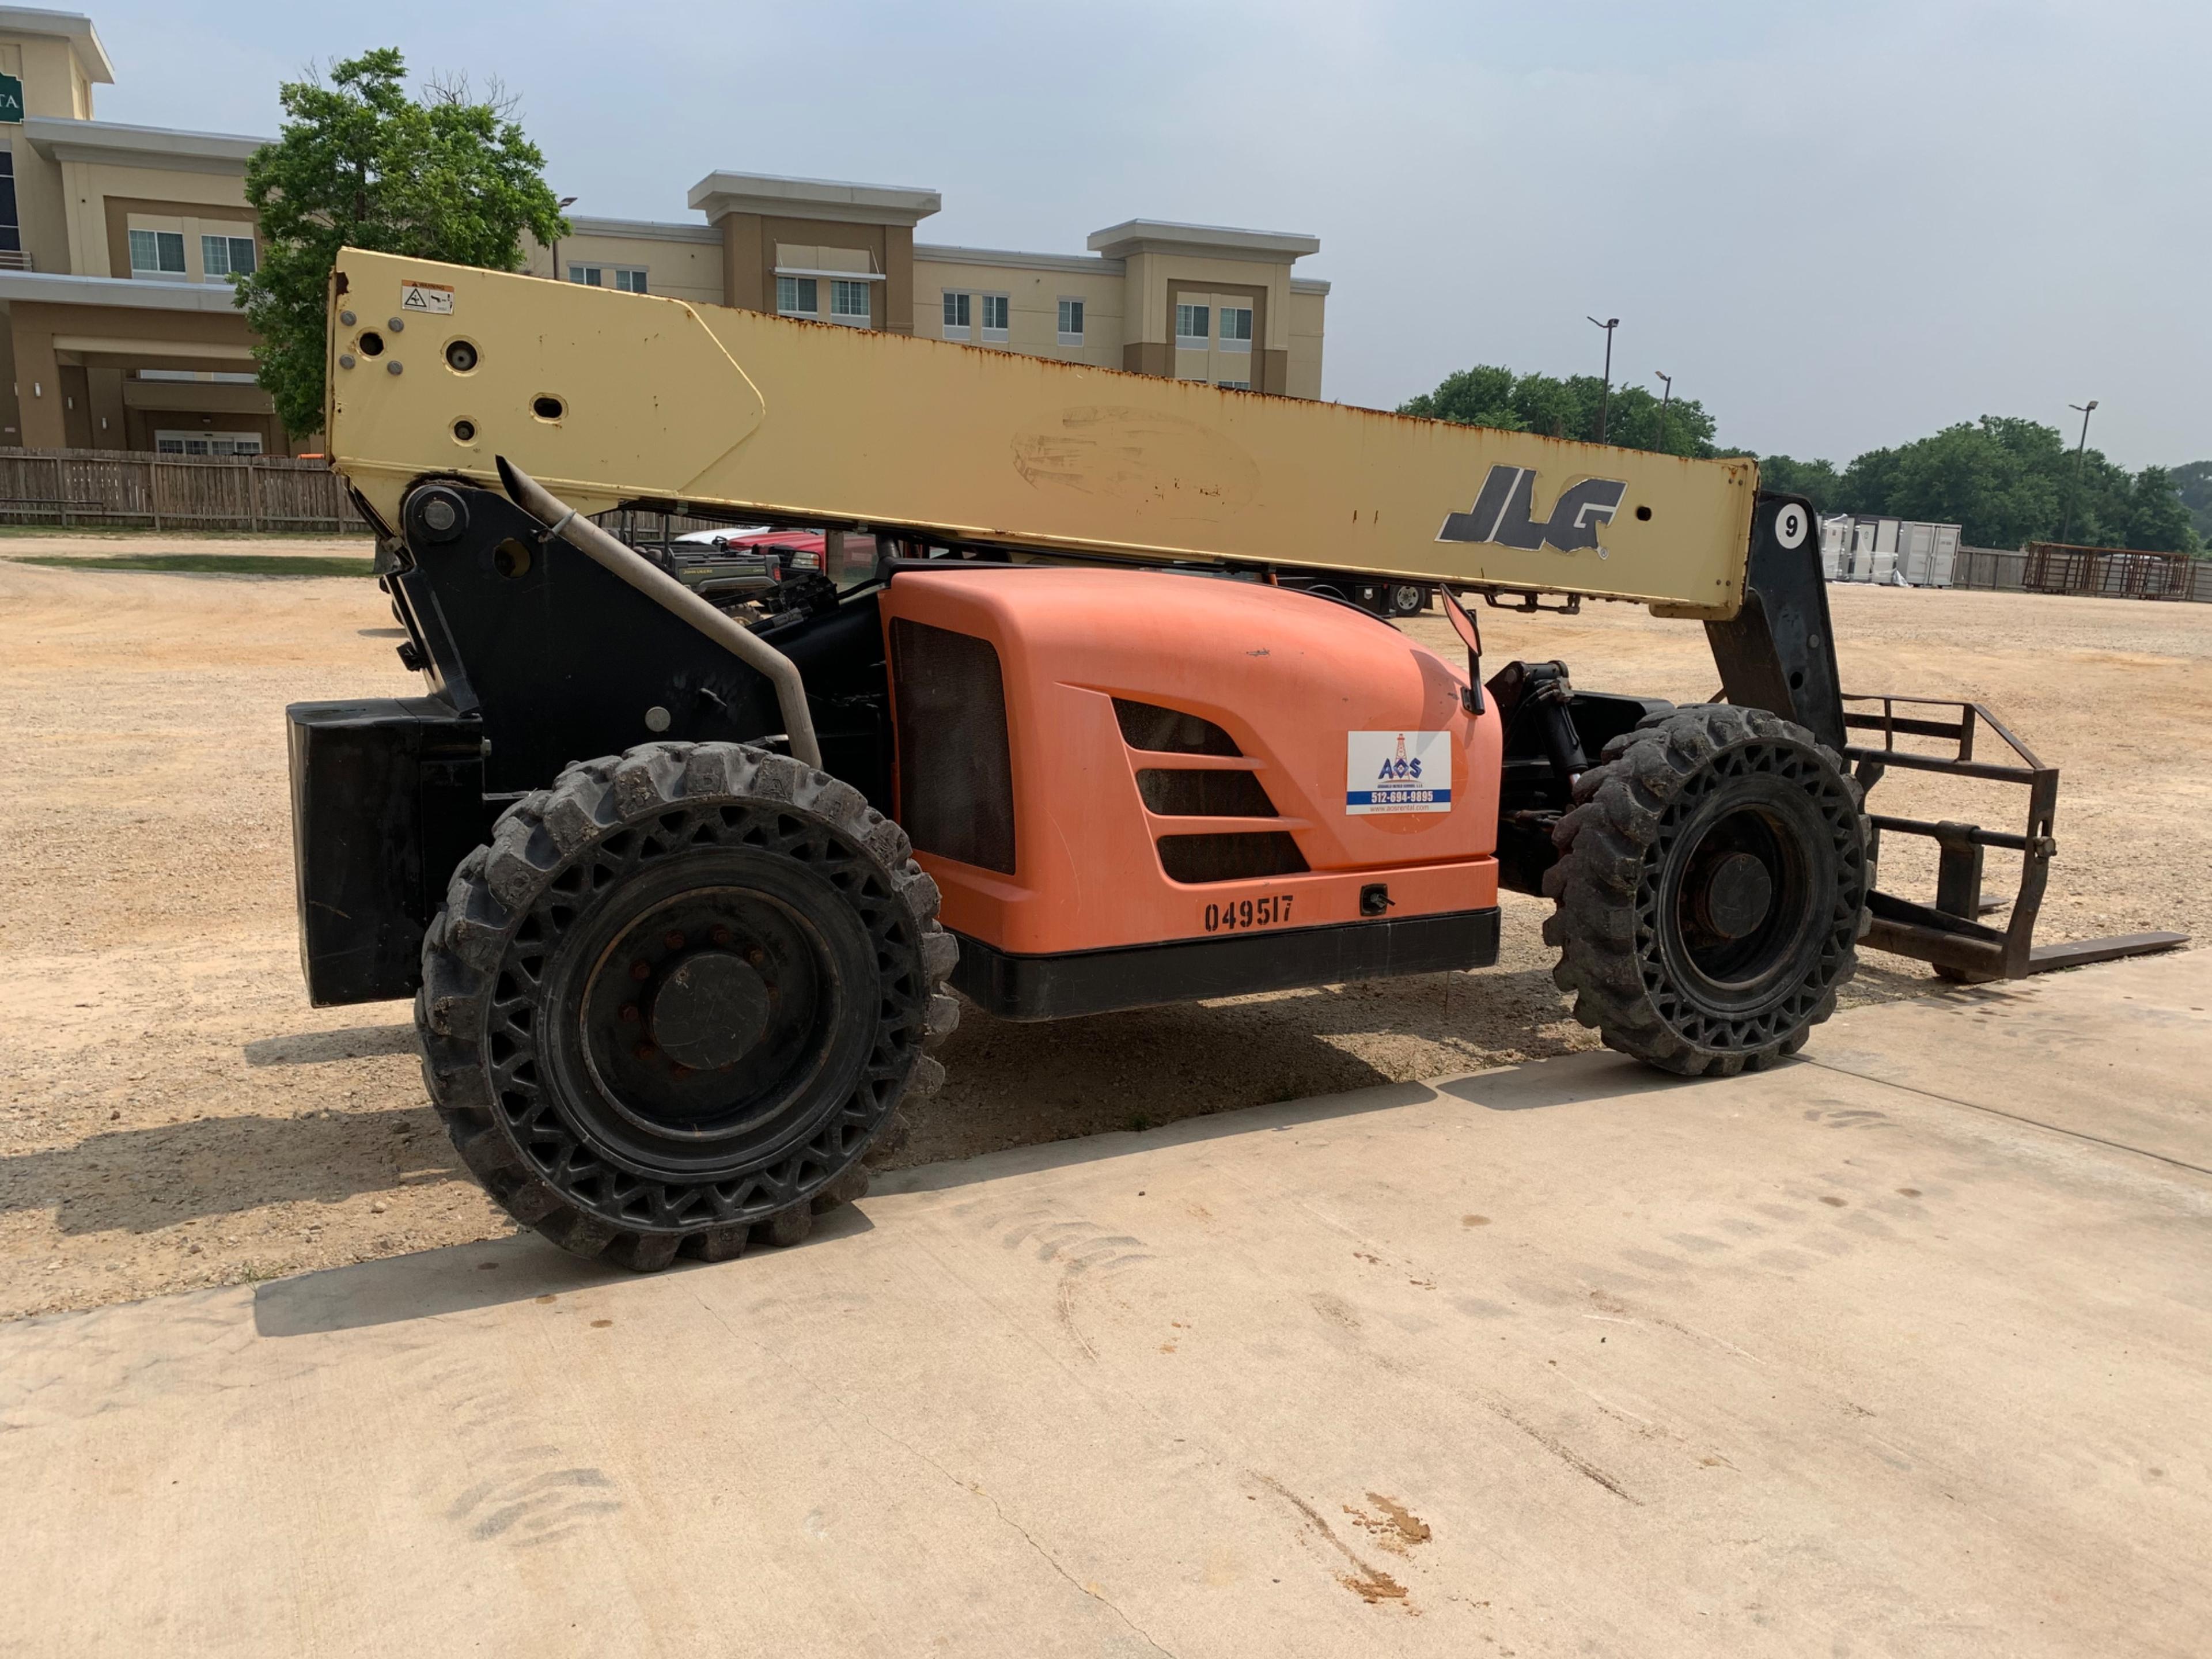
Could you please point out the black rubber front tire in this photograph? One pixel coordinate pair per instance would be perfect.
(1408, 599)
(682, 879)
(1711, 890)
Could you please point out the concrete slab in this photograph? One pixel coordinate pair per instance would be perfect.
(1849, 1359)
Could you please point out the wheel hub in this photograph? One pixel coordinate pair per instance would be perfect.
(1737, 896)
(709, 1013)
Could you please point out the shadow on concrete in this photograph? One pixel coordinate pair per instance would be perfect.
(1531, 1085)
(140, 1181)
(1143, 1067)
(319, 1048)
(438, 1284)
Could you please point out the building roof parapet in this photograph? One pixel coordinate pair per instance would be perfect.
(1309, 285)
(1163, 236)
(60, 139)
(1088, 265)
(73, 26)
(718, 194)
(654, 230)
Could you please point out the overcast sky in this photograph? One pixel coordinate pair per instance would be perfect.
(1839, 225)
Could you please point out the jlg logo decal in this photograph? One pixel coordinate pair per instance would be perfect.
(1503, 513)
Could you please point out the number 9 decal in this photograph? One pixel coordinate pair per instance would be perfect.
(1790, 525)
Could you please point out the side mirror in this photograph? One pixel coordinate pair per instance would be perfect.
(1471, 637)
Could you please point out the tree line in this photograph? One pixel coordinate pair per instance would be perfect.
(2005, 482)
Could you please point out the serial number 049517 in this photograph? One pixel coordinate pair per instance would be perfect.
(1273, 911)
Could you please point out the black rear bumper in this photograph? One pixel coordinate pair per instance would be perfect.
(387, 798)
(1186, 970)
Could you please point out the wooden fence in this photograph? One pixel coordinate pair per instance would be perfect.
(117, 488)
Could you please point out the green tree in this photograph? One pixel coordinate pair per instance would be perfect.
(1488, 395)
(2193, 483)
(2157, 518)
(2007, 482)
(1482, 396)
(359, 162)
(1817, 481)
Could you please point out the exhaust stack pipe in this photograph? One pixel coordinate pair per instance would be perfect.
(671, 596)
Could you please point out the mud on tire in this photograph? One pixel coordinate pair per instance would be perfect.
(678, 997)
(1711, 890)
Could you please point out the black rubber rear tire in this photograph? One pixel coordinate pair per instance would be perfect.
(1408, 599)
(551, 1007)
(1711, 890)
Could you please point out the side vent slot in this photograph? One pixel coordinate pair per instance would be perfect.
(1198, 859)
(1208, 794)
(956, 768)
(1170, 731)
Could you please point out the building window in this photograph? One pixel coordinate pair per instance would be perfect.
(207, 443)
(11, 233)
(226, 255)
(849, 303)
(1236, 328)
(626, 279)
(957, 315)
(1234, 385)
(157, 253)
(995, 308)
(796, 296)
(1193, 328)
(1071, 322)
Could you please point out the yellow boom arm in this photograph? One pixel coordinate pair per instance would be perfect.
(610, 398)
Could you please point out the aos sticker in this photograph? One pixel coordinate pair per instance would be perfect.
(435, 298)
(1397, 772)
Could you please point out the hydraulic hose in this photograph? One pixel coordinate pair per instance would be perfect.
(671, 596)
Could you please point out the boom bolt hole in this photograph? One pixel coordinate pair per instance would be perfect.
(460, 356)
(464, 432)
(511, 558)
(548, 409)
(1644, 513)
(372, 343)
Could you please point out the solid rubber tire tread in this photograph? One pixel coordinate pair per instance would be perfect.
(1608, 850)
(548, 832)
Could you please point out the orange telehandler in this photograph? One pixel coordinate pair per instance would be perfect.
(1066, 723)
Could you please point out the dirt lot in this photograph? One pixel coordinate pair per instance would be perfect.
(172, 1112)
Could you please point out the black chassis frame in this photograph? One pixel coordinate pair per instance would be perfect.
(534, 656)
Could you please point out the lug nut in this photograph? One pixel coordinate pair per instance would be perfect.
(679, 1072)
(755, 956)
(640, 971)
(673, 941)
(643, 1051)
(629, 1013)
(720, 936)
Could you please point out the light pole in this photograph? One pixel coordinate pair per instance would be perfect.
(564, 204)
(2081, 449)
(1605, 408)
(1666, 380)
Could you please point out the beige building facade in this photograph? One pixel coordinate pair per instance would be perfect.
(118, 245)
(1200, 302)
